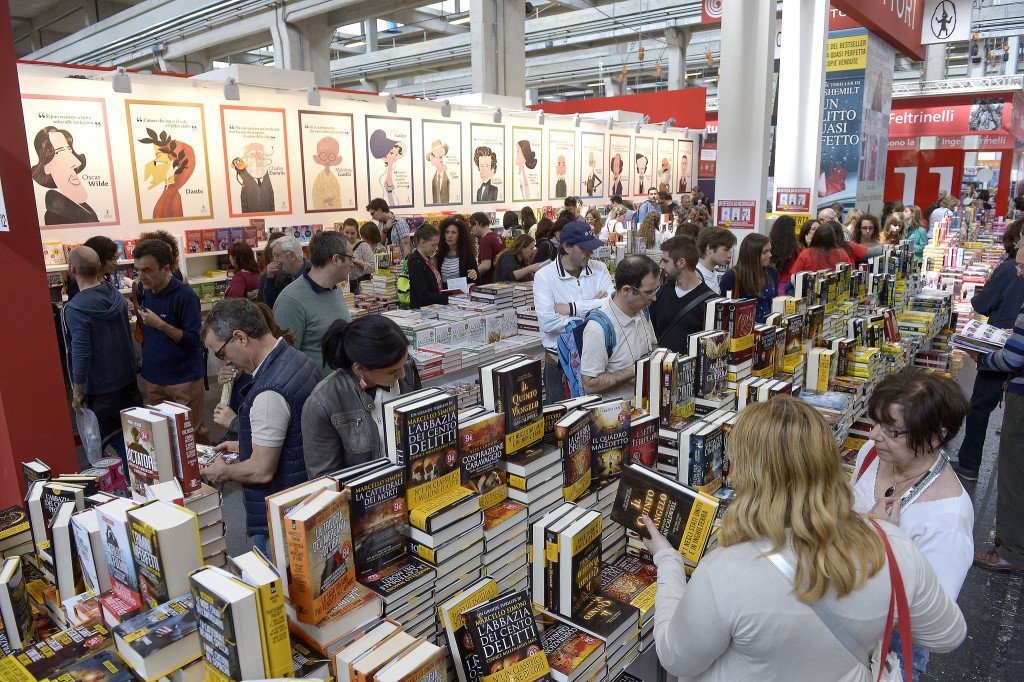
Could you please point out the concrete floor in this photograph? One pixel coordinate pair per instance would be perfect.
(991, 602)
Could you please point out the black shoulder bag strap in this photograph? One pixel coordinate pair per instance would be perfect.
(690, 306)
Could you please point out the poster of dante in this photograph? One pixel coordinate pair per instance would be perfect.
(69, 153)
(442, 163)
(328, 153)
(256, 155)
(644, 165)
(619, 165)
(389, 160)
(526, 163)
(487, 144)
(665, 153)
(591, 165)
(169, 160)
(686, 166)
(561, 162)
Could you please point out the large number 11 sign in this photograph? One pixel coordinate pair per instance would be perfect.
(915, 177)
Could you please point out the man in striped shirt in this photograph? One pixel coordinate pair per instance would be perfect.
(1008, 554)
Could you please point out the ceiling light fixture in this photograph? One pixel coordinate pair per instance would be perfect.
(576, 121)
(391, 104)
(611, 124)
(540, 117)
(121, 81)
(313, 96)
(667, 124)
(231, 90)
(496, 117)
(446, 109)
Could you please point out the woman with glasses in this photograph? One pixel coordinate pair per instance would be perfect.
(902, 474)
(754, 275)
(739, 617)
(342, 419)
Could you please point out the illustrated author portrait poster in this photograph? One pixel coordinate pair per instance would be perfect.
(619, 165)
(665, 153)
(487, 144)
(561, 163)
(69, 153)
(389, 160)
(591, 165)
(644, 165)
(442, 163)
(256, 151)
(169, 160)
(686, 166)
(526, 163)
(328, 154)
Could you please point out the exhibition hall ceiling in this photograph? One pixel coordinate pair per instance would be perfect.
(574, 48)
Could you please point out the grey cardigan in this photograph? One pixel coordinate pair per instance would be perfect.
(337, 422)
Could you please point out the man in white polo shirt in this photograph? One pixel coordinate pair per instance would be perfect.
(612, 375)
(567, 289)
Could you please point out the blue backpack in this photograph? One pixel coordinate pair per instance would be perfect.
(570, 349)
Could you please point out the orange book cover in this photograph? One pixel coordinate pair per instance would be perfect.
(319, 554)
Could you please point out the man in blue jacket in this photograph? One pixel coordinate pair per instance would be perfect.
(98, 338)
(269, 444)
(1001, 300)
(172, 355)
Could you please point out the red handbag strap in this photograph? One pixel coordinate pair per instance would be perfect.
(899, 596)
(868, 459)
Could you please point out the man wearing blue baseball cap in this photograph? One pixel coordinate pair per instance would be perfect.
(565, 289)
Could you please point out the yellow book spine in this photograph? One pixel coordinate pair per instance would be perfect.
(277, 654)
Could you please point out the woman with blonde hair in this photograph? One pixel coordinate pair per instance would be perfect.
(741, 617)
(892, 233)
(852, 222)
(513, 264)
(616, 225)
(700, 216)
(649, 231)
(915, 230)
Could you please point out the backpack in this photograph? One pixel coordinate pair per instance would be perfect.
(570, 349)
(403, 287)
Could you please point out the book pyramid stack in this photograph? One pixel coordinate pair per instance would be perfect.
(451, 356)
(500, 295)
(522, 296)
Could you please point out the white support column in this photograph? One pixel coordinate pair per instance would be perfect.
(802, 78)
(497, 36)
(935, 62)
(678, 40)
(745, 98)
(1013, 42)
(303, 46)
(370, 28)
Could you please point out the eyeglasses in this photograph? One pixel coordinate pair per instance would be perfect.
(220, 353)
(648, 296)
(892, 433)
(589, 219)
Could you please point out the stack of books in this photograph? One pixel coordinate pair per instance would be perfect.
(451, 356)
(527, 323)
(387, 652)
(633, 581)
(15, 533)
(500, 295)
(522, 295)
(427, 364)
(572, 653)
(506, 544)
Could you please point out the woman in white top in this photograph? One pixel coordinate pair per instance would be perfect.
(615, 228)
(740, 618)
(945, 208)
(915, 415)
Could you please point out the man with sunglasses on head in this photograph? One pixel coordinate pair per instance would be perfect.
(172, 354)
(311, 304)
(625, 314)
(269, 444)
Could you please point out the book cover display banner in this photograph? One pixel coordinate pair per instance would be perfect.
(526, 163)
(620, 165)
(169, 160)
(842, 120)
(327, 148)
(665, 154)
(686, 166)
(389, 161)
(561, 163)
(69, 153)
(442, 163)
(643, 162)
(487, 145)
(591, 165)
(256, 153)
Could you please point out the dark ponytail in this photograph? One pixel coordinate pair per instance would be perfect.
(373, 341)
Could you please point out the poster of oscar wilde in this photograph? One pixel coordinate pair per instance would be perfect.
(620, 165)
(591, 165)
(561, 163)
(487, 177)
(69, 155)
(389, 161)
(442, 163)
(256, 156)
(327, 150)
(171, 170)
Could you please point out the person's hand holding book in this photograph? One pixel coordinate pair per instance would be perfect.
(657, 541)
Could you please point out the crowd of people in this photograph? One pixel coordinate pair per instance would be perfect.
(308, 384)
